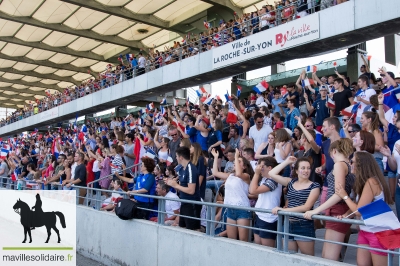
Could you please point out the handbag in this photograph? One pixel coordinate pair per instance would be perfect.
(126, 209)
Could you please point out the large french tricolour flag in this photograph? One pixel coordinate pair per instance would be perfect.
(351, 110)
(261, 87)
(381, 220)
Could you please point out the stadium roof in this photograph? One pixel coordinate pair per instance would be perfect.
(51, 44)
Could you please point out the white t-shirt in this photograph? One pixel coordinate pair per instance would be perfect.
(259, 136)
(259, 100)
(170, 205)
(396, 155)
(365, 95)
(142, 62)
(73, 166)
(269, 200)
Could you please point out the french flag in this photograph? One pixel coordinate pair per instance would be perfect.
(206, 24)
(199, 93)
(150, 153)
(176, 102)
(163, 101)
(331, 103)
(381, 220)
(4, 153)
(228, 97)
(129, 57)
(351, 110)
(120, 58)
(54, 149)
(139, 121)
(208, 101)
(169, 161)
(239, 90)
(187, 101)
(163, 111)
(232, 114)
(307, 82)
(312, 68)
(150, 106)
(261, 87)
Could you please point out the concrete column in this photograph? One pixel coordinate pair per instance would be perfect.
(278, 68)
(392, 49)
(235, 79)
(354, 61)
(88, 118)
(120, 110)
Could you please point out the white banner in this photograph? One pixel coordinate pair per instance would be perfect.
(49, 114)
(284, 36)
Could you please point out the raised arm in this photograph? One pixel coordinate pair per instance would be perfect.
(275, 172)
(309, 137)
(215, 170)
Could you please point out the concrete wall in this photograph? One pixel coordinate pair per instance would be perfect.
(104, 237)
(359, 21)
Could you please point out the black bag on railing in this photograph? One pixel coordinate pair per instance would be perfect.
(126, 209)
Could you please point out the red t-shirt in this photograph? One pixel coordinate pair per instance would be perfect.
(278, 125)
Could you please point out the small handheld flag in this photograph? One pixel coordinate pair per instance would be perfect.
(311, 69)
(335, 65)
(261, 87)
(150, 106)
(239, 90)
(176, 102)
(163, 101)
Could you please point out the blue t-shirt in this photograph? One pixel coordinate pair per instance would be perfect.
(147, 182)
(275, 103)
(189, 175)
(202, 141)
(192, 132)
(321, 111)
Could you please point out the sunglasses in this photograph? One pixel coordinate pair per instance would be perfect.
(345, 120)
(174, 135)
(353, 131)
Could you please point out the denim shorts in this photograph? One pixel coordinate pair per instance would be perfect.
(235, 214)
(303, 228)
(260, 224)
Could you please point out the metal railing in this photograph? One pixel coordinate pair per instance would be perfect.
(171, 55)
(282, 241)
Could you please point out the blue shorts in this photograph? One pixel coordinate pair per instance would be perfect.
(303, 228)
(260, 224)
(235, 214)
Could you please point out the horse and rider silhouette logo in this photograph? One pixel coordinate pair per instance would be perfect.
(31, 219)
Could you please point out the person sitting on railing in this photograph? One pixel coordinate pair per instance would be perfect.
(301, 195)
(236, 193)
(109, 203)
(144, 184)
(171, 207)
(370, 185)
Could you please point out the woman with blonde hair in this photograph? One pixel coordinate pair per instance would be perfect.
(266, 149)
(370, 185)
(340, 176)
(283, 148)
(197, 159)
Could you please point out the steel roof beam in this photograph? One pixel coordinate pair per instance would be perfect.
(39, 75)
(30, 84)
(81, 33)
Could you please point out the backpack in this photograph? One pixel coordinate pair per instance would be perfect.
(126, 209)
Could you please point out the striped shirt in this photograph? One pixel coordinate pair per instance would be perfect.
(116, 164)
(298, 197)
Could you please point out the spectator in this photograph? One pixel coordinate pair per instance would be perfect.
(259, 132)
(370, 185)
(320, 107)
(236, 193)
(189, 189)
(174, 143)
(302, 193)
(363, 96)
(269, 196)
(171, 207)
(266, 149)
(340, 176)
(79, 176)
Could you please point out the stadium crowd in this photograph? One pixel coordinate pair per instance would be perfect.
(134, 65)
(320, 145)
